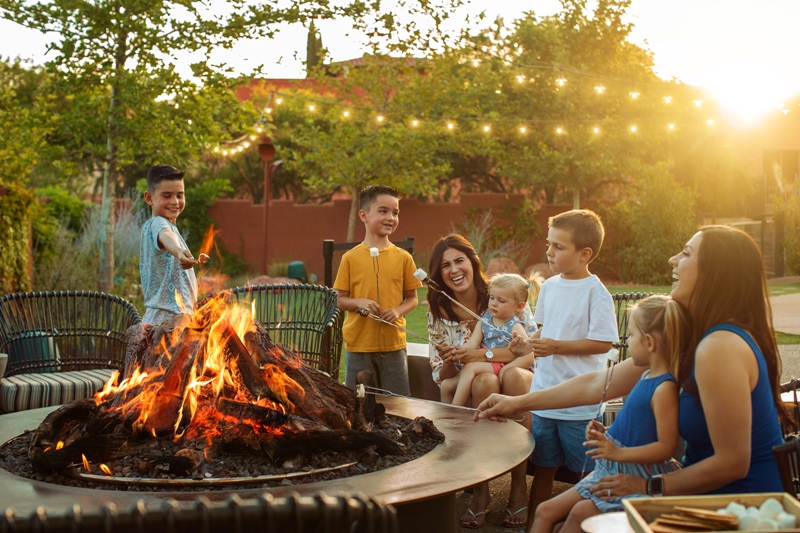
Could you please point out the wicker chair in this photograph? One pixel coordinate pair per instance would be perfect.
(301, 317)
(61, 346)
(787, 455)
(622, 304)
(319, 513)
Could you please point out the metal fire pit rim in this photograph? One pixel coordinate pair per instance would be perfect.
(472, 452)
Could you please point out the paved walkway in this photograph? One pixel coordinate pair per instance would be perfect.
(786, 313)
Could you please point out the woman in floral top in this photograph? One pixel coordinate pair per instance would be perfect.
(457, 270)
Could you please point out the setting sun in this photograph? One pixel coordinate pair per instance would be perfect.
(748, 90)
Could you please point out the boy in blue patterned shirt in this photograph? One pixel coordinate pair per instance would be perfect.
(165, 262)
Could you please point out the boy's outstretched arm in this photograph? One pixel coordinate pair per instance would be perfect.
(171, 243)
(408, 304)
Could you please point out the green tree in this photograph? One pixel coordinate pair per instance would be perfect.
(24, 111)
(117, 58)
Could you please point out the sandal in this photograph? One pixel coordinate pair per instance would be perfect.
(512, 520)
(474, 520)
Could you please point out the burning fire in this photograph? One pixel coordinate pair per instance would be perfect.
(176, 392)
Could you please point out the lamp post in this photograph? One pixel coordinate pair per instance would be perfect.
(266, 150)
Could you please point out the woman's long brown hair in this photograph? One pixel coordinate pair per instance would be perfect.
(732, 288)
(440, 306)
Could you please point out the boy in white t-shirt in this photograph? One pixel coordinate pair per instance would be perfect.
(576, 312)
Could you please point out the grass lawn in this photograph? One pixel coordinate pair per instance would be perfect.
(416, 321)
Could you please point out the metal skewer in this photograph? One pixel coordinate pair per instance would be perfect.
(383, 392)
(363, 311)
(613, 357)
(422, 276)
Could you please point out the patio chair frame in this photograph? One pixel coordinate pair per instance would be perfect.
(47, 332)
(301, 317)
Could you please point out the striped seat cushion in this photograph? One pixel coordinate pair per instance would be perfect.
(31, 391)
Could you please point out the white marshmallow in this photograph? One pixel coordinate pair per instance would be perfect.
(613, 355)
(771, 508)
(736, 509)
(421, 274)
(786, 520)
(374, 252)
(748, 523)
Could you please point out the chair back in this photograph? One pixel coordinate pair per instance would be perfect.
(318, 512)
(301, 317)
(45, 332)
(622, 304)
(787, 455)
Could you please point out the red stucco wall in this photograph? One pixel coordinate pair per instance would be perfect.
(296, 232)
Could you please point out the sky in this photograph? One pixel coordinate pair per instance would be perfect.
(742, 51)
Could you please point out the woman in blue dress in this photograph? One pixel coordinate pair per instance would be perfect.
(729, 402)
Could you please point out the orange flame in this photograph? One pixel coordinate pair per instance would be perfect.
(106, 470)
(208, 240)
(159, 401)
(59, 445)
(85, 463)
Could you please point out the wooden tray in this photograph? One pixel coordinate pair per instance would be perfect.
(642, 511)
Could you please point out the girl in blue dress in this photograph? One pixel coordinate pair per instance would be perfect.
(509, 295)
(644, 436)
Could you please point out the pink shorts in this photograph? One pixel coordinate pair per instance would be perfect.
(496, 367)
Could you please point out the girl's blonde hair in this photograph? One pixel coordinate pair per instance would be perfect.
(523, 290)
(661, 316)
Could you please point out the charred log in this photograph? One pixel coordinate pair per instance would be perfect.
(248, 411)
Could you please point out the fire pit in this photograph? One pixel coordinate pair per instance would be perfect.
(423, 490)
(199, 390)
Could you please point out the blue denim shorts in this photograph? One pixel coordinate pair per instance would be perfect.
(560, 442)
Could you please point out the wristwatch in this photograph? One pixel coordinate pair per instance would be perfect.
(655, 486)
(489, 355)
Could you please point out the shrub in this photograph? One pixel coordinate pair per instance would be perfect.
(17, 209)
(506, 233)
(787, 211)
(649, 226)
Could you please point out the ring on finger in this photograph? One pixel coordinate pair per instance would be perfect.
(609, 492)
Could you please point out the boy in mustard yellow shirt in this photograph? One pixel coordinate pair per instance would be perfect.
(378, 277)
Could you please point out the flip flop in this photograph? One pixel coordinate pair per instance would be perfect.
(511, 522)
(473, 523)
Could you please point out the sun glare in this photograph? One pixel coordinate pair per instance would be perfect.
(747, 90)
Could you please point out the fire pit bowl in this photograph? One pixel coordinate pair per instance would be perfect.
(422, 490)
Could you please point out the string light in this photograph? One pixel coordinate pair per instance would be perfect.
(561, 82)
(450, 125)
(279, 101)
(697, 103)
(710, 122)
(379, 118)
(634, 129)
(415, 123)
(487, 128)
(523, 129)
(670, 127)
(600, 89)
(634, 95)
(667, 99)
(312, 107)
(559, 130)
(346, 114)
(596, 130)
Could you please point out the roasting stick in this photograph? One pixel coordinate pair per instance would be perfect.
(613, 357)
(366, 389)
(363, 311)
(423, 277)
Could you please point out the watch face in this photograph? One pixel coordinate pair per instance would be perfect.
(656, 486)
(489, 354)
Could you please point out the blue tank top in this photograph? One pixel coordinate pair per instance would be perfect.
(635, 424)
(766, 432)
(497, 336)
